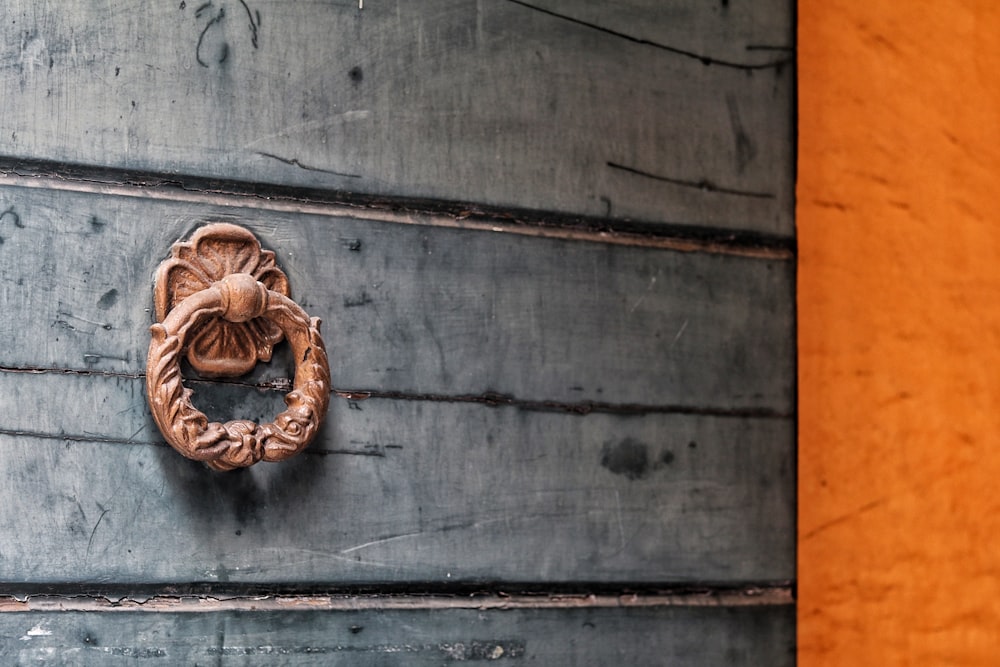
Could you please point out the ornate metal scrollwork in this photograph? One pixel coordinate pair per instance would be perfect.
(222, 300)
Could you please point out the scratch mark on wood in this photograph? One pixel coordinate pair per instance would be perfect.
(14, 217)
(66, 319)
(704, 185)
(679, 333)
(447, 528)
(745, 149)
(93, 532)
(201, 38)
(139, 430)
(91, 358)
(652, 283)
(287, 555)
(296, 163)
(703, 59)
(384, 540)
(253, 23)
(328, 119)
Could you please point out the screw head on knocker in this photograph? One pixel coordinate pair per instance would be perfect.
(222, 302)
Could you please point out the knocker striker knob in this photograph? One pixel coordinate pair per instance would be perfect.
(243, 298)
(222, 302)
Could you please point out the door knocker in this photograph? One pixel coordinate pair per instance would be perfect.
(223, 302)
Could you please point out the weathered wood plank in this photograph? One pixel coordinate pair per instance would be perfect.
(417, 309)
(659, 636)
(679, 113)
(391, 491)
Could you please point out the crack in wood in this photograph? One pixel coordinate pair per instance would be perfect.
(491, 399)
(294, 162)
(486, 399)
(429, 213)
(84, 438)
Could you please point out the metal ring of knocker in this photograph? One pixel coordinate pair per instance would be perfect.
(223, 302)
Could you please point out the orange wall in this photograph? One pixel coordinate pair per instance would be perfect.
(899, 311)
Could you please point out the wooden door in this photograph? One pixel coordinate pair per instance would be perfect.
(552, 245)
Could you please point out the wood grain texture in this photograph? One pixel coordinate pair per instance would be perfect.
(664, 636)
(899, 334)
(418, 310)
(390, 491)
(635, 110)
(510, 413)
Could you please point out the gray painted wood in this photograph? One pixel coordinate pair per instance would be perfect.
(391, 491)
(417, 309)
(676, 113)
(691, 636)
(673, 112)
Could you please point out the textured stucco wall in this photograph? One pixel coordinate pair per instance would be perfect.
(899, 311)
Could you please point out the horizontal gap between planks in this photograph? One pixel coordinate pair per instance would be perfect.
(487, 399)
(457, 215)
(750, 596)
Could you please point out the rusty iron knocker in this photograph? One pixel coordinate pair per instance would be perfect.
(222, 300)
